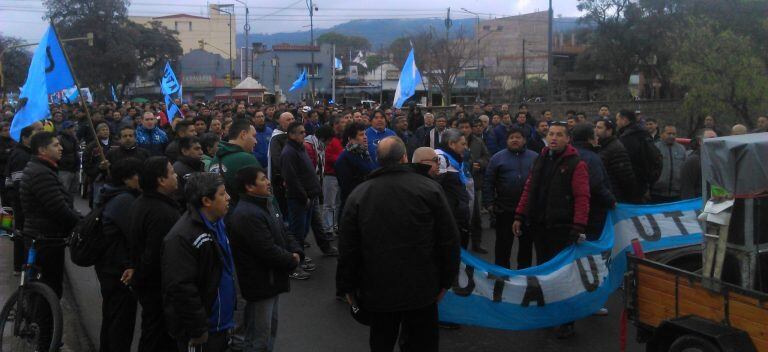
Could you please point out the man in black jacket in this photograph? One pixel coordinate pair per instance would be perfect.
(398, 270)
(617, 162)
(182, 129)
(16, 163)
(646, 159)
(68, 165)
(264, 256)
(114, 269)
(152, 216)
(128, 148)
(198, 273)
(276, 144)
(48, 207)
(301, 188)
(190, 160)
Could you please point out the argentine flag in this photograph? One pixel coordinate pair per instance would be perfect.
(48, 73)
(409, 79)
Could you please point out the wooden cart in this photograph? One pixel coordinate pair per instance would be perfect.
(679, 311)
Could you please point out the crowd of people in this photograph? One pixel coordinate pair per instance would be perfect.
(229, 191)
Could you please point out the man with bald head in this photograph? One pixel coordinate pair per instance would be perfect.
(690, 175)
(384, 261)
(276, 144)
(738, 129)
(428, 157)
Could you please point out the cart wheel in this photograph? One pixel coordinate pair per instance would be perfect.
(693, 343)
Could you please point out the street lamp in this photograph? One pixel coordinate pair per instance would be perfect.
(218, 8)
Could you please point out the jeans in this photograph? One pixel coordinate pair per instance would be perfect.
(260, 325)
(299, 217)
(69, 180)
(331, 201)
(418, 328)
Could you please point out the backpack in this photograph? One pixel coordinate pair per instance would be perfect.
(654, 161)
(86, 246)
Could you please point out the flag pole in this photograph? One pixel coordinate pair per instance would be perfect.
(80, 94)
(333, 74)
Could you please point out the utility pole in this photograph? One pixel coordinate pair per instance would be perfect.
(247, 29)
(524, 75)
(550, 81)
(312, 49)
(448, 24)
(477, 50)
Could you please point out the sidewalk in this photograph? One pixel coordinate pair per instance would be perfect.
(74, 337)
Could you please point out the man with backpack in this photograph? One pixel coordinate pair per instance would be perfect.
(114, 268)
(152, 215)
(645, 157)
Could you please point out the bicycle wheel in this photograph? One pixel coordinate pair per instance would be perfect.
(37, 327)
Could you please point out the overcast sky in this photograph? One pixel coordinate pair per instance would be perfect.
(23, 18)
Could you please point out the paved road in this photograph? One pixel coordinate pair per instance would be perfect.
(312, 320)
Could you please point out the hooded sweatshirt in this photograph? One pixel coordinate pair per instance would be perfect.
(229, 159)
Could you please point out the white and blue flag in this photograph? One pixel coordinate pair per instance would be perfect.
(409, 79)
(337, 64)
(48, 73)
(576, 282)
(300, 82)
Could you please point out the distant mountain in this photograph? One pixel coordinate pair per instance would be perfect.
(381, 31)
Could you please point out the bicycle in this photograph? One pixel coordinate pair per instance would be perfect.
(31, 319)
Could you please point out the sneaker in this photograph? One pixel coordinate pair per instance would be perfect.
(601, 312)
(565, 331)
(299, 274)
(308, 267)
(307, 245)
(307, 259)
(331, 251)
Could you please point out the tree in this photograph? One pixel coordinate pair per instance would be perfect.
(722, 70)
(122, 50)
(15, 64)
(445, 59)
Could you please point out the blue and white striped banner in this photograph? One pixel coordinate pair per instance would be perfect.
(574, 284)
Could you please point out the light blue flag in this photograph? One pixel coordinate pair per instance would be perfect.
(114, 96)
(300, 82)
(337, 64)
(170, 86)
(48, 73)
(409, 79)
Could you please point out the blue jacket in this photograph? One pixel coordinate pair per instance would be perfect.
(153, 141)
(490, 141)
(262, 144)
(505, 179)
(374, 137)
(352, 167)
